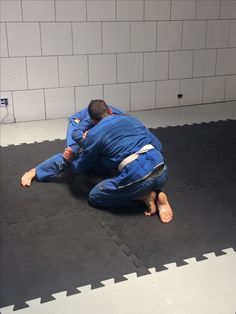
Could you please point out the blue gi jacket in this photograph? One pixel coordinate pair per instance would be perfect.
(85, 123)
(81, 115)
(113, 139)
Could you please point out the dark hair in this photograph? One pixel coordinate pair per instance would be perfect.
(98, 109)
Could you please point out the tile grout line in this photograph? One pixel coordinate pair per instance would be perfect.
(8, 49)
(21, 5)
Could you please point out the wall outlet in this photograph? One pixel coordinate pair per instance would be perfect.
(180, 96)
(4, 102)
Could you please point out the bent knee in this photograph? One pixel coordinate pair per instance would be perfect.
(91, 199)
(94, 200)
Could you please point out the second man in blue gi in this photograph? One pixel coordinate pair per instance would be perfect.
(123, 143)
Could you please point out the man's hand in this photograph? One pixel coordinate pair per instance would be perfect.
(68, 154)
(85, 134)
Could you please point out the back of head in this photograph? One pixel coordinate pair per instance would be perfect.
(98, 109)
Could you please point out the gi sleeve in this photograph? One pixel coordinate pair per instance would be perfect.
(83, 126)
(76, 148)
(89, 156)
(81, 115)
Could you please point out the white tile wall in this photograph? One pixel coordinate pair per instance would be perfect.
(194, 34)
(13, 74)
(73, 70)
(157, 10)
(208, 9)
(40, 10)
(125, 50)
(169, 35)
(143, 36)
(226, 61)
(130, 10)
(42, 72)
(230, 91)
(183, 10)
(102, 69)
(10, 10)
(70, 10)
(181, 64)
(116, 37)
(118, 95)
(228, 9)
(214, 88)
(155, 66)
(56, 38)
(192, 90)
(142, 96)
(129, 67)
(84, 94)
(60, 102)
(29, 105)
(204, 62)
(218, 34)
(3, 36)
(23, 39)
(7, 113)
(167, 93)
(232, 39)
(101, 10)
(87, 38)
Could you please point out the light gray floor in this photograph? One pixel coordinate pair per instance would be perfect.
(37, 131)
(206, 287)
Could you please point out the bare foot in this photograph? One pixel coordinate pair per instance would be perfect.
(165, 211)
(149, 200)
(27, 178)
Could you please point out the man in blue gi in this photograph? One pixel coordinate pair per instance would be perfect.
(78, 125)
(123, 143)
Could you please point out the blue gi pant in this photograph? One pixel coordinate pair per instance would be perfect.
(51, 167)
(56, 164)
(107, 194)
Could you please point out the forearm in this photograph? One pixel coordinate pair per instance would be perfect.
(83, 127)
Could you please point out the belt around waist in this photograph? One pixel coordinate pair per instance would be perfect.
(156, 172)
(134, 156)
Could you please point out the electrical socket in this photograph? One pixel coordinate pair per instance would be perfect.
(4, 102)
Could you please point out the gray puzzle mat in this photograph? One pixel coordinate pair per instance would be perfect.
(52, 240)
